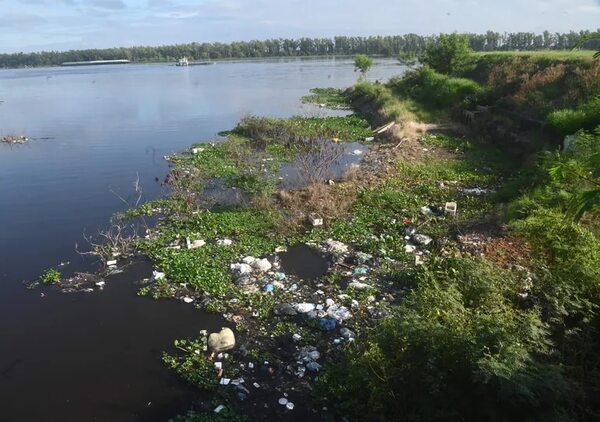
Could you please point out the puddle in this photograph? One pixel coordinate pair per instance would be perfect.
(292, 174)
(217, 192)
(304, 262)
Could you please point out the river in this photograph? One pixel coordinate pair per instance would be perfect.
(93, 131)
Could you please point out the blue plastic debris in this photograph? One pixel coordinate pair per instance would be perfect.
(279, 276)
(268, 288)
(360, 270)
(328, 324)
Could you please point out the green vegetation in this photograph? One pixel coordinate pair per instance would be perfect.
(435, 90)
(537, 84)
(459, 340)
(50, 276)
(568, 121)
(363, 63)
(330, 97)
(562, 55)
(206, 269)
(510, 335)
(499, 315)
(378, 104)
(260, 129)
(193, 366)
(449, 55)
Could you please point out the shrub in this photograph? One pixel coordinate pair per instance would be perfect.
(363, 63)
(458, 341)
(449, 55)
(433, 89)
(569, 121)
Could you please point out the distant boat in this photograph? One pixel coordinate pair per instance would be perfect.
(94, 62)
(185, 62)
(182, 62)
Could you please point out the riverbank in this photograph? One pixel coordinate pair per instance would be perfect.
(432, 248)
(429, 265)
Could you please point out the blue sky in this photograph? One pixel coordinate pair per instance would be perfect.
(32, 25)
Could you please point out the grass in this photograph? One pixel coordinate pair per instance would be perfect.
(433, 90)
(206, 269)
(541, 54)
(329, 97)
(346, 128)
(377, 225)
(379, 105)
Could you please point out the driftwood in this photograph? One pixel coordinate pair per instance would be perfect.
(384, 128)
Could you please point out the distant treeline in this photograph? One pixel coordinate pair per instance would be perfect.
(375, 45)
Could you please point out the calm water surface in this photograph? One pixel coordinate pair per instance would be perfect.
(94, 130)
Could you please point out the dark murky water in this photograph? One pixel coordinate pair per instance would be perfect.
(304, 262)
(97, 356)
(294, 174)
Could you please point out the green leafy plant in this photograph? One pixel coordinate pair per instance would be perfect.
(363, 63)
(449, 54)
(50, 276)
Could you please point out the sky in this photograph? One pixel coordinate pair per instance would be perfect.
(34, 25)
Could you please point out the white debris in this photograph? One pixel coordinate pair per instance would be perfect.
(477, 191)
(101, 284)
(188, 299)
(338, 312)
(225, 381)
(426, 210)
(357, 152)
(451, 208)
(221, 341)
(248, 260)
(224, 242)
(304, 308)
(315, 219)
(197, 150)
(297, 337)
(111, 263)
(218, 365)
(408, 248)
(157, 275)
(290, 405)
(359, 286)
(194, 244)
(283, 401)
(336, 247)
(422, 240)
(241, 268)
(262, 265)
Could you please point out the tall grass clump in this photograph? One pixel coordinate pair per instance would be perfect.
(434, 89)
(379, 103)
(568, 121)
